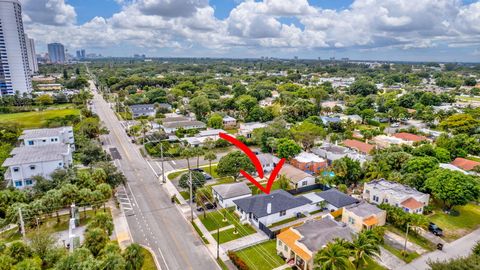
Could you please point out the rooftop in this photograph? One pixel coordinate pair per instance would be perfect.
(465, 164)
(141, 106)
(359, 146)
(332, 148)
(337, 198)
(295, 175)
(409, 137)
(393, 188)
(227, 191)
(318, 233)
(364, 209)
(305, 157)
(266, 158)
(210, 132)
(34, 154)
(280, 200)
(411, 203)
(43, 132)
(183, 124)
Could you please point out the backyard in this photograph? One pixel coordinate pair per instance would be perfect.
(36, 119)
(262, 256)
(457, 226)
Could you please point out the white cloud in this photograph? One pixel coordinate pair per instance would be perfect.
(183, 24)
(49, 12)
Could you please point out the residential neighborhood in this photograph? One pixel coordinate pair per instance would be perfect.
(239, 135)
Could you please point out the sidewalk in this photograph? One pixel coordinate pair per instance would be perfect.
(459, 248)
(212, 243)
(244, 242)
(121, 229)
(388, 260)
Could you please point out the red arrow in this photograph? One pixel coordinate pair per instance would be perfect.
(256, 162)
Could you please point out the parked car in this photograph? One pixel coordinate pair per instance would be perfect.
(206, 175)
(208, 206)
(433, 228)
(395, 125)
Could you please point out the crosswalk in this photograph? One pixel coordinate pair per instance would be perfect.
(125, 202)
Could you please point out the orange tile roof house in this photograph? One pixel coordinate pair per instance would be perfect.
(299, 245)
(361, 147)
(409, 137)
(465, 164)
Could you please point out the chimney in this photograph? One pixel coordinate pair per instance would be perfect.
(269, 208)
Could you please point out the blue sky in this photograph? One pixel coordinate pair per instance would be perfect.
(435, 30)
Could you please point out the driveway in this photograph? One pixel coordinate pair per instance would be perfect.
(246, 241)
(458, 248)
(398, 242)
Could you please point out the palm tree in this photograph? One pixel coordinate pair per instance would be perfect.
(333, 257)
(210, 156)
(364, 247)
(198, 152)
(188, 153)
(134, 257)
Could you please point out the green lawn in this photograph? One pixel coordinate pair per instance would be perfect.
(229, 235)
(185, 195)
(200, 233)
(283, 222)
(36, 119)
(262, 256)
(457, 226)
(214, 220)
(372, 265)
(410, 256)
(149, 262)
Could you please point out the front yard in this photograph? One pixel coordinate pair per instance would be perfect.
(262, 256)
(224, 218)
(455, 227)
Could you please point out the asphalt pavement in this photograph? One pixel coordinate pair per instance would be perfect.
(156, 222)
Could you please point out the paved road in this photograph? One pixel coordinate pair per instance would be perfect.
(459, 248)
(156, 223)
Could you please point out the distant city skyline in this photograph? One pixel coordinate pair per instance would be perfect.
(398, 30)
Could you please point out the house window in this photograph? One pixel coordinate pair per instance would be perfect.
(351, 220)
(283, 213)
(31, 142)
(18, 183)
(367, 191)
(52, 139)
(375, 198)
(28, 182)
(60, 164)
(255, 218)
(16, 169)
(285, 248)
(44, 140)
(385, 200)
(304, 183)
(32, 167)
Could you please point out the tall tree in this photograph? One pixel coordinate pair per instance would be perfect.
(333, 257)
(287, 148)
(134, 257)
(232, 163)
(210, 156)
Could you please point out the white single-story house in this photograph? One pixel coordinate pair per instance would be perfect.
(270, 208)
(225, 194)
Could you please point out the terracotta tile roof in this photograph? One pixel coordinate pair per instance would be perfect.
(409, 137)
(370, 221)
(465, 164)
(411, 203)
(289, 238)
(359, 146)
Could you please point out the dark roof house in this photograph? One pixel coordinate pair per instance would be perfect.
(337, 198)
(279, 200)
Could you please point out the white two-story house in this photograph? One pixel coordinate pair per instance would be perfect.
(395, 194)
(42, 160)
(46, 136)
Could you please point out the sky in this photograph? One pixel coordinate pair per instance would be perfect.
(398, 30)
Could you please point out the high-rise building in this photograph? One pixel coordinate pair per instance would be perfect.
(32, 55)
(56, 52)
(14, 65)
(81, 54)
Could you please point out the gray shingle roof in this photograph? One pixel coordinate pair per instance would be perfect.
(364, 209)
(279, 199)
(267, 159)
(43, 132)
(318, 233)
(337, 198)
(228, 191)
(25, 155)
(184, 124)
